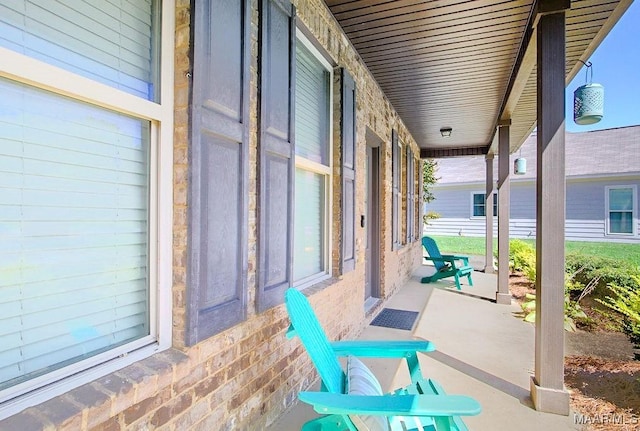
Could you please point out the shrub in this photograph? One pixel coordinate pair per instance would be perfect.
(572, 311)
(522, 258)
(431, 215)
(605, 272)
(626, 301)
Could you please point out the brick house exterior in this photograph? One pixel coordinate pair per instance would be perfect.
(244, 376)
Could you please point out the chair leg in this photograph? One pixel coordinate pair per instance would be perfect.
(469, 278)
(426, 279)
(458, 282)
(443, 423)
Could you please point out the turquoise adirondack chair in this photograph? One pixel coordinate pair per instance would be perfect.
(446, 264)
(353, 400)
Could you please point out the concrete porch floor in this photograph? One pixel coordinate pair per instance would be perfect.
(483, 351)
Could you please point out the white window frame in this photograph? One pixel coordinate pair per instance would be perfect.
(26, 70)
(484, 200)
(634, 212)
(319, 168)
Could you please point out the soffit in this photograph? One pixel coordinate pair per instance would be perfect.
(448, 63)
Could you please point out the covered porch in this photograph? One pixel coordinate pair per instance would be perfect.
(483, 351)
(476, 78)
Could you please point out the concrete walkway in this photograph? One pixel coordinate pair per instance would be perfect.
(483, 350)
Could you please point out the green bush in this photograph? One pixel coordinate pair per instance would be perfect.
(626, 301)
(605, 271)
(522, 258)
(431, 215)
(573, 313)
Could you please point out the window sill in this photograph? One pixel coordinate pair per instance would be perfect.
(108, 397)
(319, 285)
(621, 235)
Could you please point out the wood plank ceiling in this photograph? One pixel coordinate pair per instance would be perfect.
(448, 63)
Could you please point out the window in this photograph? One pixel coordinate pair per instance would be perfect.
(81, 142)
(294, 217)
(410, 194)
(395, 192)
(478, 205)
(348, 171)
(106, 43)
(418, 199)
(621, 208)
(312, 166)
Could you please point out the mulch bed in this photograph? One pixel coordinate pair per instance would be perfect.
(604, 389)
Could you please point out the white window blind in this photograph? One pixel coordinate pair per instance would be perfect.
(309, 225)
(73, 231)
(108, 41)
(312, 107)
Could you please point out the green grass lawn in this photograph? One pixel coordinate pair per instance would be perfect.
(476, 245)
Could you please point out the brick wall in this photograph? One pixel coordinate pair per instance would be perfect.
(244, 377)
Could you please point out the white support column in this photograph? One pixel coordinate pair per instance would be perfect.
(547, 384)
(488, 210)
(504, 194)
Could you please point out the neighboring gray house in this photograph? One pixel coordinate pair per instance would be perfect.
(603, 177)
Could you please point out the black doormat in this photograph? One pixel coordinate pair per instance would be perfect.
(396, 319)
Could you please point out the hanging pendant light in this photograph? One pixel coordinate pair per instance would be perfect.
(520, 165)
(588, 100)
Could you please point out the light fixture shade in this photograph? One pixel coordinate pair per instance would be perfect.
(446, 131)
(588, 104)
(520, 166)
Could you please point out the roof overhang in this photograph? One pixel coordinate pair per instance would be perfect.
(468, 65)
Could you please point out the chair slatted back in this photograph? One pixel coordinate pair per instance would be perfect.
(432, 248)
(306, 326)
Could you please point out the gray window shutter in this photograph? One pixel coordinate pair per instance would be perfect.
(218, 195)
(348, 171)
(395, 166)
(410, 194)
(419, 201)
(277, 163)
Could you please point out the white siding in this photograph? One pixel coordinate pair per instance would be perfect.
(458, 226)
(585, 200)
(451, 203)
(523, 201)
(585, 210)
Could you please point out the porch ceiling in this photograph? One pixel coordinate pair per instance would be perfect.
(464, 64)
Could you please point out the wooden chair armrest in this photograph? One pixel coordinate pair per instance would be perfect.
(382, 349)
(443, 259)
(437, 259)
(391, 405)
(453, 257)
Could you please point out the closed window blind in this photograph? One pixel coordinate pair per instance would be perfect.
(309, 225)
(73, 231)
(107, 41)
(312, 107)
(312, 165)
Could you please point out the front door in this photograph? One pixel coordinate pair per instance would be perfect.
(372, 224)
